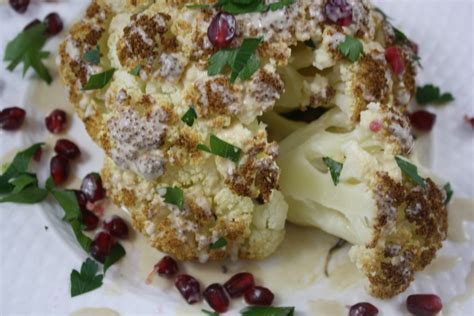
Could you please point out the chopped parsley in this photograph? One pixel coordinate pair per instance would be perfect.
(242, 60)
(93, 56)
(189, 117)
(100, 80)
(432, 94)
(334, 168)
(26, 48)
(449, 193)
(410, 170)
(87, 280)
(219, 243)
(351, 48)
(173, 195)
(244, 6)
(209, 313)
(136, 71)
(222, 149)
(268, 311)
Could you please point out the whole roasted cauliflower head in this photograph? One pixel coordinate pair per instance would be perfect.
(190, 130)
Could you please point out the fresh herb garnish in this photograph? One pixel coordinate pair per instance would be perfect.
(173, 195)
(310, 43)
(351, 48)
(136, 71)
(30, 195)
(93, 56)
(100, 80)
(268, 311)
(242, 60)
(449, 193)
(334, 168)
(115, 255)
(26, 48)
(410, 170)
(222, 149)
(219, 243)
(209, 313)
(189, 117)
(243, 6)
(83, 240)
(22, 181)
(87, 280)
(432, 94)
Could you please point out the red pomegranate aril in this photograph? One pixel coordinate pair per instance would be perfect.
(339, 12)
(53, 23)
(239, 284)
(81, 199)
(394, 58)
(375, 126)
(59, 168)
(89, 219)
(222, 30)
(55, 121)
(12, 118)
(166, 267)
(424, 304)
(92, 187)
(101, 246)
(189, 288)
(469, 120)
(259, 295)
(37, 155)
(19, 6)
(363, 309)
(422, 120)
(31, 24)
(67, 149)
(117, 227)
(216, 297)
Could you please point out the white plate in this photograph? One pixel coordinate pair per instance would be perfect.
(36, 263)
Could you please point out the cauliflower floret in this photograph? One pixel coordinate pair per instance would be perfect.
(396, 226)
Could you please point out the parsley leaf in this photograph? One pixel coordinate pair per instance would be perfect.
(136, 71)
(87, 280)
(351, 48)
(410, 170)
(242, 60)
(268, 311)
(219, 243)
(82, 239)
(26, 47)
(209, 313)
(432, 94)
(29, 195)
(449, 193)
(189, 117)
(222, 149)
(100, 80)
(173, 195)
(280, 4)
(93, 56)
(243, 6)
(334, 168)
(115, 255)
(22, 181)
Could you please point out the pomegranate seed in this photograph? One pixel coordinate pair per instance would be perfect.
(422, 120)
(363, 309)
(59, 169)
(101, 246)
(81, 199)
(89, 219)
(31, 24)
(67, 149)
(469, 120)
(339, 12)
(424, 304)
(239, 283)
(19, 6)
(55, 121)
(188, 287)
(394, 58)
(166, 267)
(37, 154)
(375, 126)
(92, 187)
(117, 227)
(53, 23)
(12, 118)
(259, 295)
(215, 296)
(222, 30)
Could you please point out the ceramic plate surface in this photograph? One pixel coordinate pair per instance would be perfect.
(38, 251)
